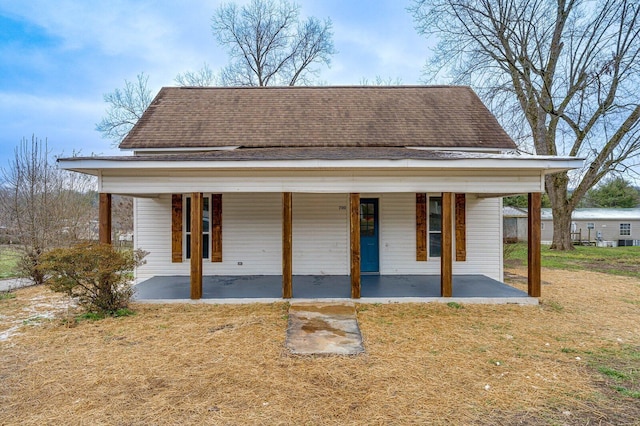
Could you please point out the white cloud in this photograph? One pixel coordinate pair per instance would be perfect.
(67, 123)
(155, 38)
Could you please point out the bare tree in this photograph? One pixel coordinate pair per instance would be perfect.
(125, 107)
(269, 45)
(204, 77)
(122, 211)
(566, 69)
(45, 206)
(380, 81)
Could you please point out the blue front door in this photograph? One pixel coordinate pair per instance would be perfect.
(369, 251)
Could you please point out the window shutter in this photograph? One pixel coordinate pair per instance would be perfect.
(216, 228)
(461, 227)
(176, 228)
(421, 227)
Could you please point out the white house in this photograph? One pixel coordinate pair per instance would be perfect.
(321, 181)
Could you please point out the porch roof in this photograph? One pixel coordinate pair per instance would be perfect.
(324, 158)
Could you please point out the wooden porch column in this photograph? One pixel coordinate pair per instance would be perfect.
(446, 258)
(354, 233)
(104, 218)
(196, 245)
(287, 246)
(533, 242)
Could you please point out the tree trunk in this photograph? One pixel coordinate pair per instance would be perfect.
(562, 229)
(562, 209)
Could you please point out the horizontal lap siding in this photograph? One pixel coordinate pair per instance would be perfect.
(398, 241)
(252, 226)
(320, 234)
(153, 234)
(251, 234)
(324, 182)
(484, 238)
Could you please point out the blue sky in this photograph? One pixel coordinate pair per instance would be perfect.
(58, 58)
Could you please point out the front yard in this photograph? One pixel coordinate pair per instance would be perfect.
(9, 256)
(575, 360)
(623, 261)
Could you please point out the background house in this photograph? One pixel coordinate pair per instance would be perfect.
(608, 227)
(514, 223)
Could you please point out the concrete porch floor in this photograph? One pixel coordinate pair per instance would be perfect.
(374, 289)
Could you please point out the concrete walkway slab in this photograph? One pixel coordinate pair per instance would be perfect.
(323, 329)
(11, 284)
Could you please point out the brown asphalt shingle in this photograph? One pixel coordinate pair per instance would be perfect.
(299, 153)
(422, 116)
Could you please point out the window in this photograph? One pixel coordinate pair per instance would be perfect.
(367, 219)
(206, 227)
(591, 225)
(435, 226)
(625, 229)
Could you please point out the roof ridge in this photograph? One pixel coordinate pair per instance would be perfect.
(401, 86)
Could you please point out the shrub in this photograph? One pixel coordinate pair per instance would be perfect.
(98, 275)
(29, 265)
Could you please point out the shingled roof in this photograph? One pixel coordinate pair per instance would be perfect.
(305, 117)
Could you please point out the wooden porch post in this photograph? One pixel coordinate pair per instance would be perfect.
(533, 242)
(446, 261)
(104, 218)
(196, 245)
(287, 246)
(354, 232)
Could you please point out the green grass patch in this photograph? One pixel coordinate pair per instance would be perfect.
(626, 392)
(4, 295)
(614, 374)
(620, 369)
(96, 316)
(623, 261)
(555, 306)
(9, 257)
(454, 305)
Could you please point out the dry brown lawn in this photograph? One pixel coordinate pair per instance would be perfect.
(424, 364)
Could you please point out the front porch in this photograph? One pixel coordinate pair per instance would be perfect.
(374, 289)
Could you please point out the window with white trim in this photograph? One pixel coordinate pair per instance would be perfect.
(625, 229)
(206, 226)
(435, 226)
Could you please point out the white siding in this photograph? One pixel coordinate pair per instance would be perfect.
(152, 233)
(252, 228)
(251, 235)
(398, 238)
(339, 182)
(320, 234)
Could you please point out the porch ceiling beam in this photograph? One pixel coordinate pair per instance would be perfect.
(446, 257)
(533, 249)
(354, 232)
(196, 244)
(104, 218)
(287, 245)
